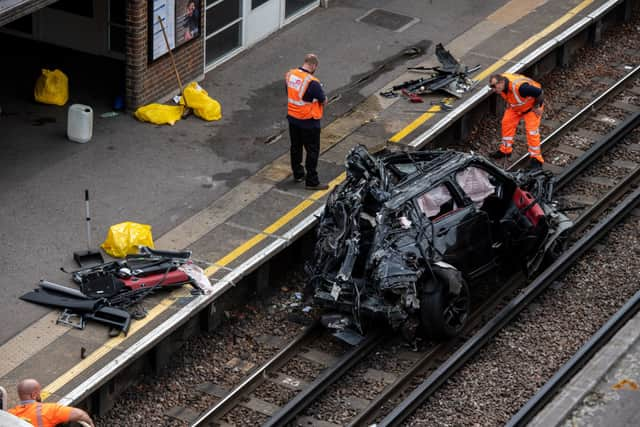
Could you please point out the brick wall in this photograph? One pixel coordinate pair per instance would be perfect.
(148, 81)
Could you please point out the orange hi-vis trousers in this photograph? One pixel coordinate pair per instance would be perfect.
(510, 122)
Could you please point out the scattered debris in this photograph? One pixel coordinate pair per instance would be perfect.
(111, 292)
(451, 77)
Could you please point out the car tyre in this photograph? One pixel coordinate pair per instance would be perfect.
(444, 313)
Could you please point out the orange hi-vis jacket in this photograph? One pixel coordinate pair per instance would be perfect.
(512, 97)
(42, 414)
(297, 84)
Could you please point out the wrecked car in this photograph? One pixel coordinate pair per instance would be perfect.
(407, 233)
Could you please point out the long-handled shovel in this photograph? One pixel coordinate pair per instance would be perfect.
(89, 257)
(187, 110)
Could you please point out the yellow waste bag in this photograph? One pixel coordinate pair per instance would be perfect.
(203, 106)
(159, 114)
(124, 238)
(52, 87)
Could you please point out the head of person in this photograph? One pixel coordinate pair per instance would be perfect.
(310, 62)
(29, 389)
(497, 83)
(191, 7)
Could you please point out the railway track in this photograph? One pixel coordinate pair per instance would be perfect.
(274, 371)
(342, 404)
(609, 140)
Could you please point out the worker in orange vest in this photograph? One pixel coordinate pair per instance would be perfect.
(40, 414)
(305, 106)
(525, 100)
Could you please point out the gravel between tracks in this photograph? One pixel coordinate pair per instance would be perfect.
(487, 391)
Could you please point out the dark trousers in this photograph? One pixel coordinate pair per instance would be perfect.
(309, 139)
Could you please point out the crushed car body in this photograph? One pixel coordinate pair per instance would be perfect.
(407, 233)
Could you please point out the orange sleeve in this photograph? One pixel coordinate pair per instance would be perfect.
(56, 414)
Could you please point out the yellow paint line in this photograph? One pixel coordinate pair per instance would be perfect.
(284, 219)
(496, 65)
(531, 40)
(241, 249)
(112, 343)
(415, 124)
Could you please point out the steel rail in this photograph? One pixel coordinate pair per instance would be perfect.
(581, 115)
(277, 361)
(367, 415)
(473, 345)
(598, 149)
(612, 195)
(294, 407)
(569, 369)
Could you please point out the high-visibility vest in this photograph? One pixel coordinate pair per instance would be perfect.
(512, 97)
(42, 414)
(297, 83)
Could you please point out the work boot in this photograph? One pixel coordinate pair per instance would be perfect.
(534, 163)
(317, 187)
(499, 155)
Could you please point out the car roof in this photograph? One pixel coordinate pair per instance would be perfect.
(439, 166)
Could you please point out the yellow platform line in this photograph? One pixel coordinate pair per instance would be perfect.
(182, 292)
(533, 39)
(237, 252)
(112, 343)
(496, 65)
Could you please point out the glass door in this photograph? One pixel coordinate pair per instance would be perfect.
(223, 28)
(264, 18)
(294, 6)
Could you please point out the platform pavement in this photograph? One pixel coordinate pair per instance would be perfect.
(217, 188)
(606, 391)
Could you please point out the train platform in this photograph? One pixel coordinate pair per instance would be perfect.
(605, 392)
(224, 189)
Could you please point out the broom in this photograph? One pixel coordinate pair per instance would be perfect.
(187, 110)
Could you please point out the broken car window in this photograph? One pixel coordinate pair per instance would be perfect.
(475, 183)
(436, 202)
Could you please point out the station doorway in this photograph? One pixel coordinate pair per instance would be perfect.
(232, 25)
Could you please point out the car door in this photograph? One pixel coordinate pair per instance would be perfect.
(475, 186)
(459, 232)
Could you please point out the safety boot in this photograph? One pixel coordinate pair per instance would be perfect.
(499, 155)
(534, 163)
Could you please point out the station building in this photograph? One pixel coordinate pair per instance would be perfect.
(133, 35)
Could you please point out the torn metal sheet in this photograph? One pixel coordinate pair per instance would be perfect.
(451, 77)
(407, 233)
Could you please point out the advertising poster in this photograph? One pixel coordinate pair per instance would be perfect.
(181, 20)
(187, 20)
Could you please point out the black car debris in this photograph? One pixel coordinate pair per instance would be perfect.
(407, 233)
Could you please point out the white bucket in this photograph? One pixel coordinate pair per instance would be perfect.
(80, 123)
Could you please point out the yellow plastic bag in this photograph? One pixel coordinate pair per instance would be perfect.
(124, 238)
(159, 114)
(203, 106)
(52, 87)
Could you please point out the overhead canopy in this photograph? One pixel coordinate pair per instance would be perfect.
(10, 10)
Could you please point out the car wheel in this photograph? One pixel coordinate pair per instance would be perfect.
(444, 313)
(554, 252)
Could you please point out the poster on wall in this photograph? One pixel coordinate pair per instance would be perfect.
(181, 21)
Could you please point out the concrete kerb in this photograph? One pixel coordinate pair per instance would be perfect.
(586, 380)
(526, 62)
